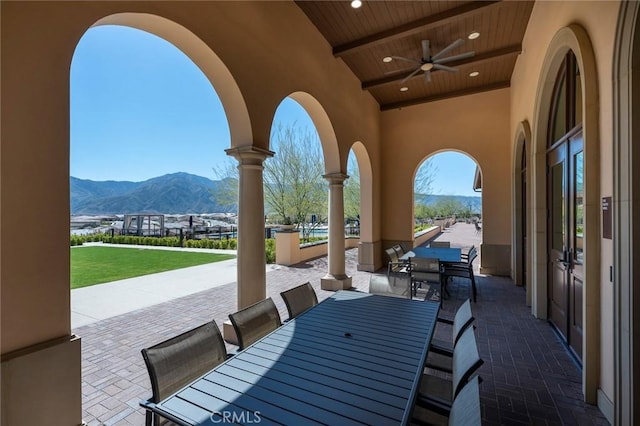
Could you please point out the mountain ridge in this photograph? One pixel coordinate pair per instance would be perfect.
(175, 193)
(172, 193)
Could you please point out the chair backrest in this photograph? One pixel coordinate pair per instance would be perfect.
(255, 321)
(463, 319)
(425, 269)
(393, 255)
(299, 299)
(398, 249)
(175, 362)
(465, 410)
(385, 286)
(471, 255)
(466, 360)
(446, 244)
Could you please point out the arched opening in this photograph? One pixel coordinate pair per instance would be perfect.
(295, 191)
(362, 192)
(521, 216)
(209, 68)
(578, 147)
(448, 184)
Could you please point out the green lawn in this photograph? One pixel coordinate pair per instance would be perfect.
(95, 265)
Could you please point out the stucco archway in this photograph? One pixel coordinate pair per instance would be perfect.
(366, 248)
(521, 255)
(573, 38)
(626, 235)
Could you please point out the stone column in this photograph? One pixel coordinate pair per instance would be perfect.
(251, 252)
(336, 279)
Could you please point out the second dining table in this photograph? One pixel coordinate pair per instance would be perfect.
(355, 358)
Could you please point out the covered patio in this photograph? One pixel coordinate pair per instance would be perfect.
(528, 375)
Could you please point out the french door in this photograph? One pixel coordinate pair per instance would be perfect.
(565, 270)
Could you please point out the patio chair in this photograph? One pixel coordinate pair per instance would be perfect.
(177, 361)
(425, 270)
(463, 269)
(465, 410)
(466, 362)
(478, 227)
(388, 286)
(444, 244)
(395, 265)
(255, 322)
(299, 299)
(464, 255)
(440, 355)
(398, 249)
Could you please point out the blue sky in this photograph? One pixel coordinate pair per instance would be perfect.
(140, 109)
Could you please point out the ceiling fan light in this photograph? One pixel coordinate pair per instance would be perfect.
(356, 4)
(426, 67)
(387, 59)
(474, 35)
(474, 74)
(404, 88)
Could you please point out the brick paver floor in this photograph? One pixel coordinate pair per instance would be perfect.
(528, 376)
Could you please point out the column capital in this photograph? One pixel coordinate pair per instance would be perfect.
(336, 178)
(249, 155)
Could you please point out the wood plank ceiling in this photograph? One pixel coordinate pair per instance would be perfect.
(363, 37)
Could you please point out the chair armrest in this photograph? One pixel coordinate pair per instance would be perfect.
(441, 350)
(444, 320)
(436, 405)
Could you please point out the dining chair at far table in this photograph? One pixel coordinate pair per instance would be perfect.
(395, 265)
(465, 410)
(175, 362)
(425, 270)
(299, 299)
(462, 269)
(443, 244)
(255, 321)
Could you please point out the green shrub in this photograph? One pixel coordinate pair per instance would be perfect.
(270, 250)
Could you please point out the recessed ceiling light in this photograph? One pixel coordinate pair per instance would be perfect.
(404, 88)
(387, 59)
(474, 35)
(474, 74)
(356, 4)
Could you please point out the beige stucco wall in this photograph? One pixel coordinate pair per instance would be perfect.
(476, 125)
(599, 20)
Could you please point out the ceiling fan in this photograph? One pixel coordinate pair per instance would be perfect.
(435, 62)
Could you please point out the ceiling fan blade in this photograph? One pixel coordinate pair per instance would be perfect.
(402, 58)
(459, 42)
(416, 71)
(444, 68)
(455, 58)
(426, 52)
(427, 76)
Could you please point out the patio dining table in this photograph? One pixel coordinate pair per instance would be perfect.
(444, 254)
(355, 358)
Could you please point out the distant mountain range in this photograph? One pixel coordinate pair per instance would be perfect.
(176, 193)
(474, 203)
(169, 194)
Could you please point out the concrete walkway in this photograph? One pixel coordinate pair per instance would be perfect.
(102, 301)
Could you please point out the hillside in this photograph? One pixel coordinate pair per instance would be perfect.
(474, 203)
(169, 194)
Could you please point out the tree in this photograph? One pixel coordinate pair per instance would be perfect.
(293, 183)
(422, 186)
(352, 189)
